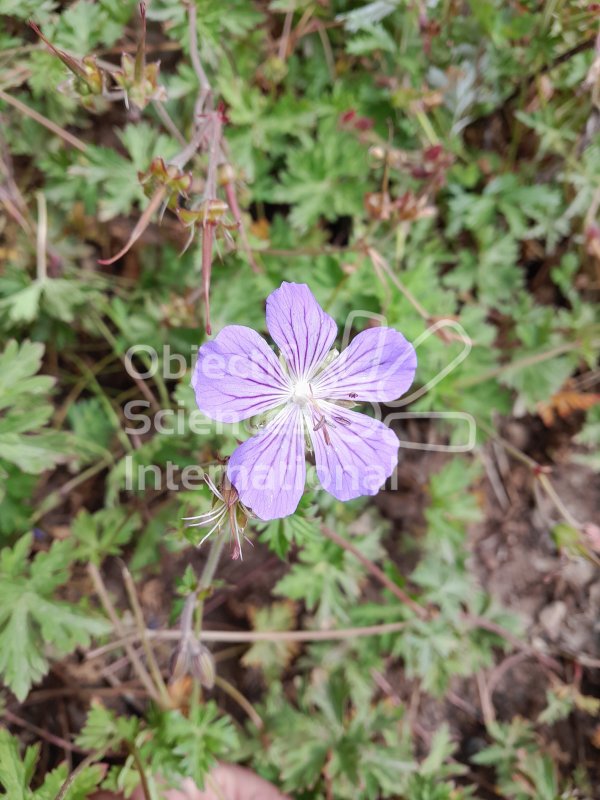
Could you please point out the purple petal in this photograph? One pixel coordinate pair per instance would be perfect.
(354, 454)
(378, 364)
(269, 470)
(237, 375)
(301, 329)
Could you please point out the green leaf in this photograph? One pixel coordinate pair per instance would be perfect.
(271, 657)
(104, 730)
(327, 578)
(327, 181)
(23, 413)
(16, 773)
(189, 746)
(31, 620)
(103, 534)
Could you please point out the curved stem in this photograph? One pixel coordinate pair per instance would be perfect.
(135, 754)
(212, 562)
(239, 698)
(83, 765)
(376, 572)
(67, 137)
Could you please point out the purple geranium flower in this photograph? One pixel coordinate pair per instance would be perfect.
(307, 393)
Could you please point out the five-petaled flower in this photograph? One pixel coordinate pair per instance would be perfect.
(307, 393)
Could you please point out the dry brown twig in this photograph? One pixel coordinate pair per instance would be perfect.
(136, 663)
(250, 637)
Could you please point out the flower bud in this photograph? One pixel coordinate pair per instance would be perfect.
(226, 174)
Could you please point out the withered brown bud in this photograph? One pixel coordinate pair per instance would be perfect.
(195, 659)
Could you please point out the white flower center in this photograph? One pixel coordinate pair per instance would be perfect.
(302, 393)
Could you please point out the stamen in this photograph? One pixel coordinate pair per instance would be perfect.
(207, 519)
(342, 420)
(207, 514)
(321, 424)
(211, 531)
(212, 487)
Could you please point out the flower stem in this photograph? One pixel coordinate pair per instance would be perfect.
(212, 562)
(137, 759)
(206, 578)
(42, 232)
(242, 701)
(83, 765)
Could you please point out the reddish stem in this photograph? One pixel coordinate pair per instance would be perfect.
(72, 63)
(141, 225)
(235, 210)
(140, 56)
(207, 246)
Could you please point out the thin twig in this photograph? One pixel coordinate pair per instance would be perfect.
(553, 495)
(499, 672)
(242, 701)
(155, 202)
(538, 473)
(166, 120)
(325, 249)
(380, 262)
(470, 619)
(527, 361)
(102, 593)
(42, 234)
(329, 58)
(135, 754)
(376, 572)
(383, 269)
(205, 87)
(83, 765)
(141, 384)
(58, 496)
(586, 44)
(139, 619)
(250, 637)
(485, 699)
(488, 625)
(67, 137)
(285, 36)
(43, 695)
(58, 741)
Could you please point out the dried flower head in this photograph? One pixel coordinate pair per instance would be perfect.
(192, 657)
